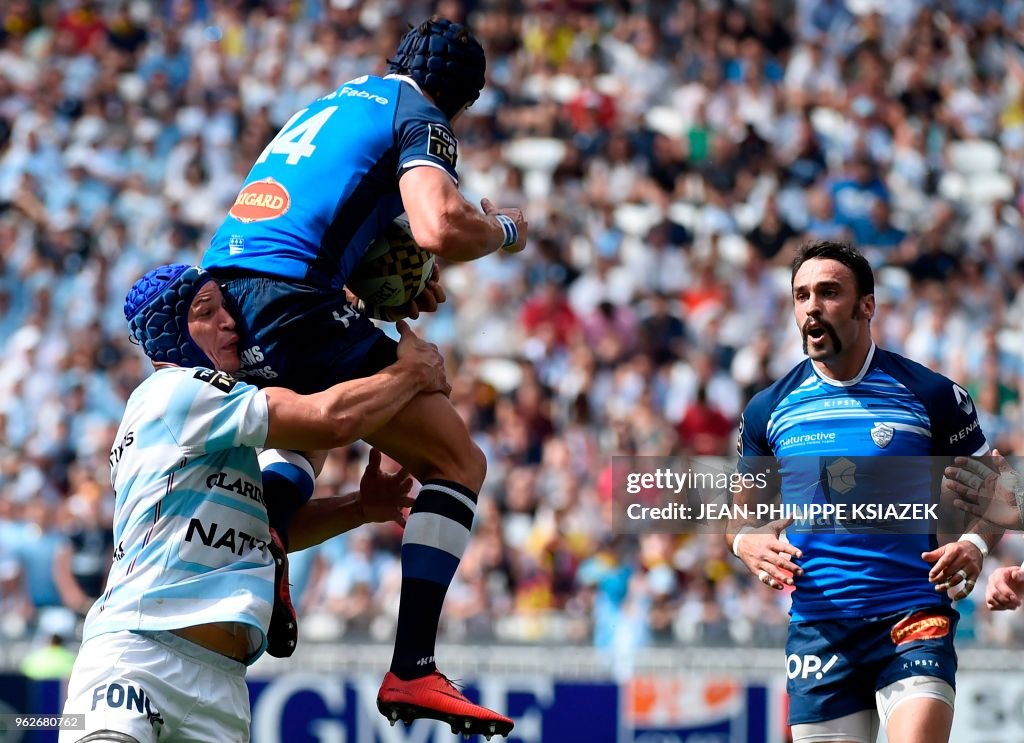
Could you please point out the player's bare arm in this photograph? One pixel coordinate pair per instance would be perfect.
(443, 222)
(760, 547)
(353, 410)
(380, 498)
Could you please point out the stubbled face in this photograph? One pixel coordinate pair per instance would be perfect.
(830, 315)
(213, 329)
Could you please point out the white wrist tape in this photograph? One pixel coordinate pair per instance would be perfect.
(977, 541)
(509, 226)
(736, 540)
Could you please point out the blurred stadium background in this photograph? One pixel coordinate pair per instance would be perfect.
(669, 156)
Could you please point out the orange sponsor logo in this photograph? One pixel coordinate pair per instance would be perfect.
(920, 626)
(260, 200)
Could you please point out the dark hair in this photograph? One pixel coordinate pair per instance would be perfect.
(848, 255)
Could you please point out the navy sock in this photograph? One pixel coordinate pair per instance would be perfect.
(288, 481)
(436, 535)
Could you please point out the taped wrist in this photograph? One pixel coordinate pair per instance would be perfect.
(738, 538)
(509, 226)
(977, 541)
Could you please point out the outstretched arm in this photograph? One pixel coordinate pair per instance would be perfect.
(381, 497)
(444, 223)
(353, 410)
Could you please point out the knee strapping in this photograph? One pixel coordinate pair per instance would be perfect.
(858, 727)
(888, 698)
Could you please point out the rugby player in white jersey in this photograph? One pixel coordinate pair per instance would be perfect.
(191, 591)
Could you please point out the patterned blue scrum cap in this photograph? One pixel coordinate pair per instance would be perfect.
(156, 309)
(445, 60)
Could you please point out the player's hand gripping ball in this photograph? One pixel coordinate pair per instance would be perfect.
(394, 270)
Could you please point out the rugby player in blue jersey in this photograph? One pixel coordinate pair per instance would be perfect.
(871, 626)
(335, 176)
(192, 592)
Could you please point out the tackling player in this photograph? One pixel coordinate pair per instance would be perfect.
(192, 588)
(332, 179)
(871, 626)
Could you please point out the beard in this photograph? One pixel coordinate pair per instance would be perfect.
(837, 345)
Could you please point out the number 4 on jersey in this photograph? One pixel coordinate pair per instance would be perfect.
(296, 139)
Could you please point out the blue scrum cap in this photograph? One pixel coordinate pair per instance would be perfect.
(445, 60)
(156, 309)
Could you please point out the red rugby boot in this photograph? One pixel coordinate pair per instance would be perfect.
(283, 634)
(434, 697)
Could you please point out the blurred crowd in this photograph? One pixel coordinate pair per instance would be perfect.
(670, 157)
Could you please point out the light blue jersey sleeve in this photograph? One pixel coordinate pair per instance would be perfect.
(209, 411)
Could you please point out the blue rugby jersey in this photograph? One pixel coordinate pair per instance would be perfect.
(327, 185)
(893, 407)
(190, 523)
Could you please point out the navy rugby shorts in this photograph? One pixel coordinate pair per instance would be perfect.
(834, 667)
(301, 337)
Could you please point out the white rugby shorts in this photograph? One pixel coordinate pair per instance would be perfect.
(156, 686)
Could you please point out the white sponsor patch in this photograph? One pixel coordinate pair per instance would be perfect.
(216, 536)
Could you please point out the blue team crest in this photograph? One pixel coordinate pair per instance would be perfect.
(882, 434)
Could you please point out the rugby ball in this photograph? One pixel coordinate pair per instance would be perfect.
(394, 270)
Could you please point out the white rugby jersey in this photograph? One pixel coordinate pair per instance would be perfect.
(190, 524)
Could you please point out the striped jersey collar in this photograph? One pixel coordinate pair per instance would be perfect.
(848, 382)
